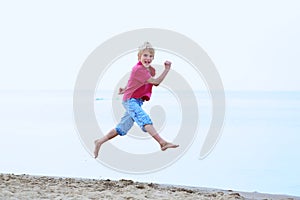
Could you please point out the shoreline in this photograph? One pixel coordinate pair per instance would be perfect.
(49, 187)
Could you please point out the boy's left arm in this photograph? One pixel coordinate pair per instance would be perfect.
(153, 72)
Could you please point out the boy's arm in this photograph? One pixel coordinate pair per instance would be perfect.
(158, 80)
(122, 90)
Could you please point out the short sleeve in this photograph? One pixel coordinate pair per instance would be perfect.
(152, 71)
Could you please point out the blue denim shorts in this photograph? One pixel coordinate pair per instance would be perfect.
(134, 113)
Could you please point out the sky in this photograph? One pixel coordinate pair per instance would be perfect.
(253, 44)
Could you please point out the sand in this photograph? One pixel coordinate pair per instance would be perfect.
(43, 187)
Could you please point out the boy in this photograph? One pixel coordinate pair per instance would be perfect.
(138, 90)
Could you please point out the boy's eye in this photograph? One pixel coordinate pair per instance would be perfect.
(146, 55)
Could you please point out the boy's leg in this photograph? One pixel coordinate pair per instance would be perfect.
(136, 112)
(121, 129)
(163, 144)
(111, 134)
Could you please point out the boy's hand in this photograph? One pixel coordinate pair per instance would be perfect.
(168, 65)
(121, 90)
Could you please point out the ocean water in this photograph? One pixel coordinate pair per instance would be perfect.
(259, 149)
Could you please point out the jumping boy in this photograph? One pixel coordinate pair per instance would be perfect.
(138, 90)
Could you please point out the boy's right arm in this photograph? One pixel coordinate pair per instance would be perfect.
(122, 90)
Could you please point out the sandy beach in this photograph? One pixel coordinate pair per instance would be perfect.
(44, 187)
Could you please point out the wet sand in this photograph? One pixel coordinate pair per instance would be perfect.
(44, 187)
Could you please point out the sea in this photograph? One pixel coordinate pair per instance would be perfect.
(258, 149)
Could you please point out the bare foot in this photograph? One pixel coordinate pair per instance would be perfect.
(168, 145)
(98, 144)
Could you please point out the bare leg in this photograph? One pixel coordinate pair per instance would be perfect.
(111, 134)
(163, 144)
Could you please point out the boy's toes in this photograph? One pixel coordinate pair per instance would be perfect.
(168, 145)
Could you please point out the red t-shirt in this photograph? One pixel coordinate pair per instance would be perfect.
(137, 86)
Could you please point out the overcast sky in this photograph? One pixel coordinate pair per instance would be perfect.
(255, 44)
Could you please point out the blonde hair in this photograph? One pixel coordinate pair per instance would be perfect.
(146, 46)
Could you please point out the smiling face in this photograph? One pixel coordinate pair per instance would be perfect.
(146, 57)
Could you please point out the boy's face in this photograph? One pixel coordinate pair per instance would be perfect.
(146, 58)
